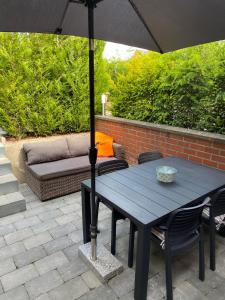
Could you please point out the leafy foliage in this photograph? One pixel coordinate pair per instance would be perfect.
(185, 88)
(44, 83)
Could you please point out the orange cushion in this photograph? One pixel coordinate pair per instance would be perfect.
(104, 144)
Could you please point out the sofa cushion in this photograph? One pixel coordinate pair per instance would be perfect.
(46, 151)
(63, 167)
(78, 145)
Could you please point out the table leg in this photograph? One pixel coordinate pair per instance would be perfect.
(86, 214)
(142, 263)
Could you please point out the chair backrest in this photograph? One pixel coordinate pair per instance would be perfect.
(149, 156)
(111, 166)
(183, 222)
(218, 203)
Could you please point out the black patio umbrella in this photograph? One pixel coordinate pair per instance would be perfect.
(160, 26)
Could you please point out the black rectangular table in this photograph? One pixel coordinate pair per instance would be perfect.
(136, 193)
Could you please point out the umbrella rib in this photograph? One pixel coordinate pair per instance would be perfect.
(145, 24)
(59, 28)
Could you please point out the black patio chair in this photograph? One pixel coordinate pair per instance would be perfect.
(181, 232)
(149, 156)
(105, 168)
(214, 216)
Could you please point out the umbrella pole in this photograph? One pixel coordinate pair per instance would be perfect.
(92, 150)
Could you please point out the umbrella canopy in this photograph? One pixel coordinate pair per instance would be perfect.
(160, 26)
(150, 24)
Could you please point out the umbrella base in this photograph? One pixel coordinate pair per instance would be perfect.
(105, 267)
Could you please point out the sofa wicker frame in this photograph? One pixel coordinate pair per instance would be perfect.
(63, 185)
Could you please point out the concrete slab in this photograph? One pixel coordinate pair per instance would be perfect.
(105, 267)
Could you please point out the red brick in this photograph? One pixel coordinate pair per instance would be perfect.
(218, 158)
(210, 163)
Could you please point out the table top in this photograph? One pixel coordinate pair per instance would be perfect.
(141, 197)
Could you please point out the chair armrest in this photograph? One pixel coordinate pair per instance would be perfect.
(119, 152)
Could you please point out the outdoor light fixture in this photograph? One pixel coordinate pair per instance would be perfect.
(104, 100)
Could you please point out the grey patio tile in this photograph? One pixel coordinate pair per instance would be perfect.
(6, 266)
(91, 280)
(72, 252)
(2, 242)
(72, 269)
(57, 244)
(34, 212)
(1, 289)
(5, 229)
(216, 294)
(18, 277)
(11, 219)
(11, 250)
(44, 226)
(101, 293)
(186, 291)
(43, 284)
(66, 218)
(28, 222)
(18, 293)
(212, 281)
(70, 208)
(37, 240)
(62, 230)
(51, 262)
(44, 297)
(18, 236)
(123, 283)
(50, 214)
(76, 236)
(70, 290)
(29, 256)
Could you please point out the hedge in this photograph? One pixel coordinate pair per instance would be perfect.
(184, 88)
(44, 83)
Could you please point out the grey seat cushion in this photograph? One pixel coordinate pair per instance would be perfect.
(63, 167)
(78, 145)
(46, 151)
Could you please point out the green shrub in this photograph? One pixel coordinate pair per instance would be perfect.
(44, 85)
(184, 88)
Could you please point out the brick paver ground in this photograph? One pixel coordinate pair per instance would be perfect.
(39, 258)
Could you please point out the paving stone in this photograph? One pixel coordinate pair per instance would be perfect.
(70, 290)
(212, 281)
(70, 208)
(72, 252)
(28, 222)
(18, 277)
(18, 235)
(44, 226)
(91, 280)
(51, 262)
(34, 212)
(2, 242)
(58, 244)
(29, 256)
(62, 230)
(1, 289)
(11, 219)
(18, 293)
(101, 293)
(44, 297)
(66, 218)
(37, 240)
(76, 236)
(50, 214)
(11, 250)
(123, 283)
(5, 229)
(186, 291)
(43, 284)
(72, 269)
(6, 266)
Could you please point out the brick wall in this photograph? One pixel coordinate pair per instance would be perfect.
(137, 137)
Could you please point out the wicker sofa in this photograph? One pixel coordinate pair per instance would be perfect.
(56, 168)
